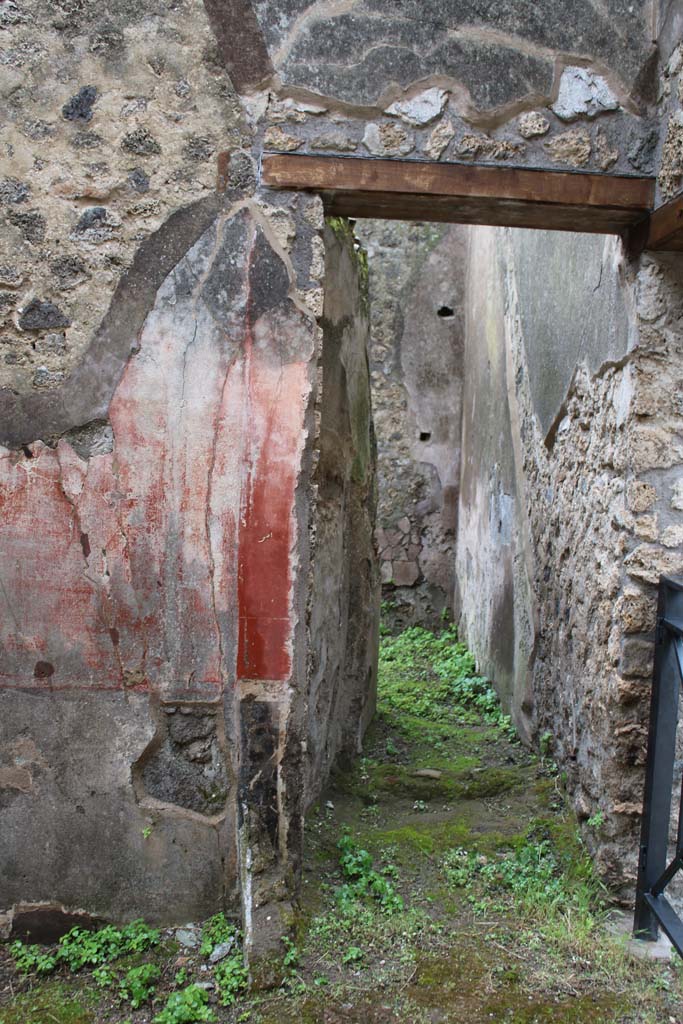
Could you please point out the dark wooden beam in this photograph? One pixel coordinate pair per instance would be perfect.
(665, 227)
(465, 194)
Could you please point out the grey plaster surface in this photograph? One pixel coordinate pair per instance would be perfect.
(72, 828)
(573, 310)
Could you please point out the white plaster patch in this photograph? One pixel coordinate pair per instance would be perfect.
(420, 109)
(677, 496)
(583, 92)
(621, 398)
(255, 105)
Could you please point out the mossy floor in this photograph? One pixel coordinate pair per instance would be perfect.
(501, 918)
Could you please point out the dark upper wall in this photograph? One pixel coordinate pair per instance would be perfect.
(434, 80)
(358, 51)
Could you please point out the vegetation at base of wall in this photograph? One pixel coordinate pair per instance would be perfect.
(81, 948)
(445, 878)
(362, 880)
(128, 967)
(188, 1006)
(433, 676)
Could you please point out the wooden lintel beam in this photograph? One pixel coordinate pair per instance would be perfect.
(461, 193)
(665, 227)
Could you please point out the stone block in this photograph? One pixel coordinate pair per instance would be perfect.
(483, 147)
(532, 124)
(636, 658)
(79, 107)
(405, 574)
(645, 527)
(140, 142)
(636, 611)
(641, 496)
(672, 537)
(653, 448)
(388, 140)
(42, 315)
(337, 141)
(648, 562)
(439, 139)
(572, 147)
(280, 140)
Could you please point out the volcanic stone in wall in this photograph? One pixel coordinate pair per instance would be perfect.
(416, 286)
(186, 764)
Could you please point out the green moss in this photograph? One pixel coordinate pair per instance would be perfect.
(434, 838)
(452, 785)
(360, 431)
(51, 1001)
(341, 227)
(458, 982)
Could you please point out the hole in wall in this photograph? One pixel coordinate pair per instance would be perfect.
(425, 435)
(48, 922)
(445, 312)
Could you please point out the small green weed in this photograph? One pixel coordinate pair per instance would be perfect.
(216, 931)
(189, 1006)
(81, 948)
(31, 959)
(530, 878)
(231, 978)
(545, 743)
(353, 955)
(292, 957)
(362, 878)
(104, 976)
(138, 984)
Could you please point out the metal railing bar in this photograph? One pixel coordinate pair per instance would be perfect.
(678, 649)
(668, 919)
(664, 879)
(654, 870)
(673, 627)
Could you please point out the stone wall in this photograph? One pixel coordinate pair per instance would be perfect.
(570, 489)
(417, 274)
(160, 366)
(155, 572)
(571, 470)
(112, 122)
(668, 135)
(344, 593)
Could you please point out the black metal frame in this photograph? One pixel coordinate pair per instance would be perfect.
(653, 910)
